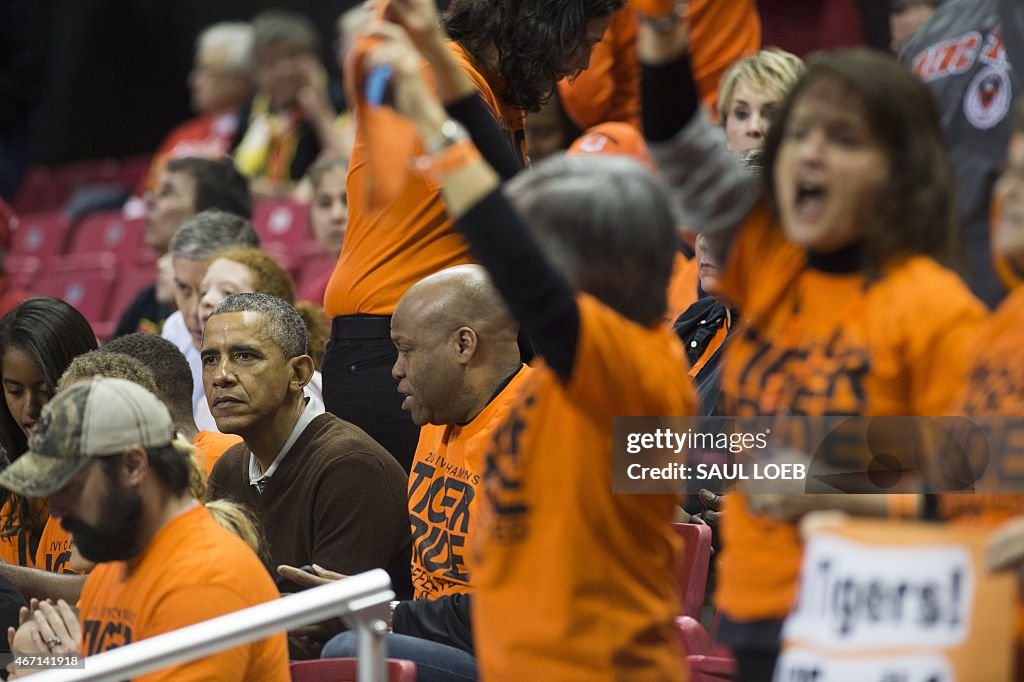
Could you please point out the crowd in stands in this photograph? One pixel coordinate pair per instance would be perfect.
(389, 324)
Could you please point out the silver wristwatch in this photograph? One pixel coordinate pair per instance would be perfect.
(451, 132)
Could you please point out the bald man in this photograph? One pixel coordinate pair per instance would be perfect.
(458, 364)
(459, 367)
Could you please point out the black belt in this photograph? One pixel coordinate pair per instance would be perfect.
(361, 327)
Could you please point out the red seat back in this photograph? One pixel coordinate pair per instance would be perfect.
(129, 285)
(281, 221)
(344, 670)
(40, 235)
(84, 283)
(692, 573)
(23, 270)
(108, 231)
(707, 662)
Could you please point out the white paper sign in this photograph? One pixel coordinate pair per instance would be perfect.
(856, 597)
(799, 665)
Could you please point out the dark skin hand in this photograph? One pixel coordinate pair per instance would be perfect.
(306, 642)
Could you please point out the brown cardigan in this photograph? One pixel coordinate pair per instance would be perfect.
(338, 499)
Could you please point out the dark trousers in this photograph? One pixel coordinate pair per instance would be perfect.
(754, 644)
(358, 387)
(434, 662)
(755, 666)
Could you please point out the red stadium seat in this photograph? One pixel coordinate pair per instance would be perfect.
(108, 231)
(344, 670)
(693, 571)
(23, 270)
(707, 662)
(281, 221)
(40, 235)
(84, 282)
(129, 284)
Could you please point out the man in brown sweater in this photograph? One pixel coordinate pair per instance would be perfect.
(325, 492)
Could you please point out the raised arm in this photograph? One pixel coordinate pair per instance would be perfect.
(536, 294)
(711, 188)
(457, 92)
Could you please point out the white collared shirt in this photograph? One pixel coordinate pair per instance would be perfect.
(257, 476)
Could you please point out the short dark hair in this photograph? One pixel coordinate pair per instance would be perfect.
(533, 39)
(106, 364)
(916, 212)
(170, 465)
(283, 322)
(218, 185)
(169, 368)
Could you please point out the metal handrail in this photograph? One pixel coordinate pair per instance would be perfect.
(361, 599)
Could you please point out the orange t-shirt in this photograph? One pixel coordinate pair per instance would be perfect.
(609, 89)
(192, 570)
(54, 550)
(19, 549)
(721, 33)
(820, 343)
(573, 582)
(995, 387)
(389, 249)
(443, 499)
(212, 445)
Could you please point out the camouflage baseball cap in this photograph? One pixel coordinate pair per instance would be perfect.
(93, 418)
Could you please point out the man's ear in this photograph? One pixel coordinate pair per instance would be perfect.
(466, 342)
(302, 370)
(134, 465)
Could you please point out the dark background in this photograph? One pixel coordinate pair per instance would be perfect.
(95, 79)
(112, 73)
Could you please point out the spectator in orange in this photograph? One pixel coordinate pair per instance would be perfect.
(459, 368)
(609, 88)
(585, 277)
(220, 81)
(506, 57)
(624, 139)
(838, 270)
(106, 455)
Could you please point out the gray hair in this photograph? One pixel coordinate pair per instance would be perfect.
(283, 322)
(606, 223)
(234, 37)
(210, 231)
(282, 26)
